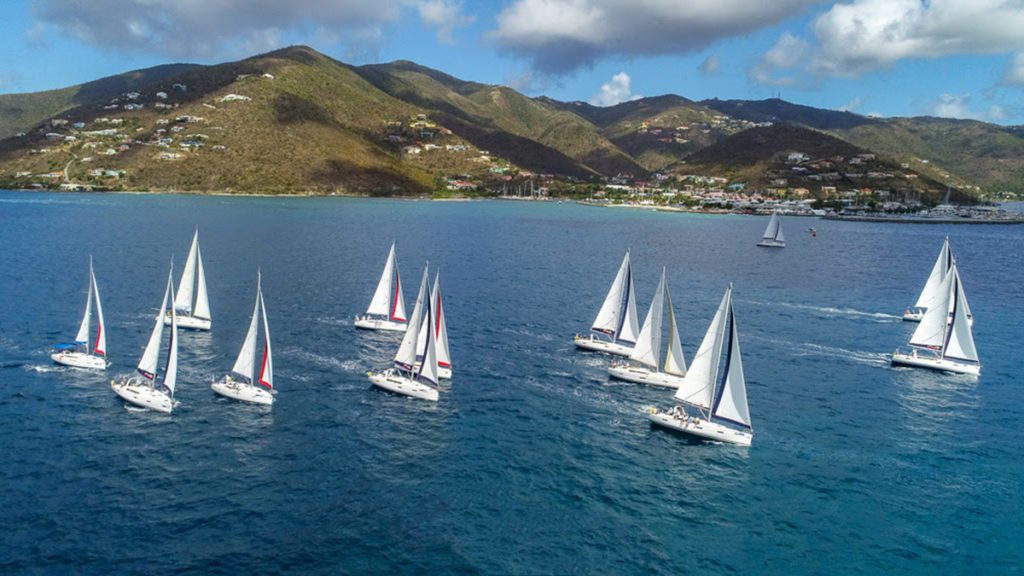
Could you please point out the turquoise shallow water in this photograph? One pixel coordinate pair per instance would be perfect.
(534, 462)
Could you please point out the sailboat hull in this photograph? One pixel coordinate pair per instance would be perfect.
(913, 315)
(392, 381)
(700, 428)
(594, 344)
(230, 388)
(916, 360)
(368, 323)
(79, 360)
(641, 375)
(141, 393)
(190, 322)
(771, 244)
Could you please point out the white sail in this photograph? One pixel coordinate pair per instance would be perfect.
(675, 363)
(731, 398)
(440, 327)
(960, 284)
(628, 328)
(171, 371)
(397, 299)
(779, 236)
(960, 341)
(100, 347)
(202, 309)
(699, 383)
(610, 315)
(774, 228)
(930, 293)
(428, 367)
(267, 372)
(381, 302)
(647, 350)
(931, 332)
(83, 329)
(183, 300)
(406, 356)
(243, 367)
(444, 357)
(148, 362)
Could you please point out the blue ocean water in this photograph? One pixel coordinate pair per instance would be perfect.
(533, 462)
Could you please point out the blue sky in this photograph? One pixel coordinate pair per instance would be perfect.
(951, 58)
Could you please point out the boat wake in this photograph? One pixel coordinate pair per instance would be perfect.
(43, 369)
(858, 356)
(833, 312)
(131, 408)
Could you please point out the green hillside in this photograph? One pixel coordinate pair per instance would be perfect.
(19, 112)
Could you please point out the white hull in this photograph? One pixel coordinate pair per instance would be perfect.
(913, 316)
(935, 363)
(641, 375)
(392, 381)
(79, 360)
(917, 315)
(701, 428)
(771, 244)
(245, 392)
(367, 323)
(190, 322)
(142, 393)
(598, 345)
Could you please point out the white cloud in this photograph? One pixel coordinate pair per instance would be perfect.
(860, 36)
(560, 36)
(1014, 75)
(959, 106)
(781, 64)
(710, 65)
(205, 28)
(853, 105)
(615, 91)
(446, 16)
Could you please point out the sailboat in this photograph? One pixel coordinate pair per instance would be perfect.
(238, 383)
(387, 308)
(77, 353)
(444, 360)
(943, 340)
(617, 317)
(406, 377)
(773, 236)
(142, 389)
(932, 291)
(647, 352)
(716, 396)
(193, 315)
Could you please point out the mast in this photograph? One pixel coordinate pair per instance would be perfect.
(648, 345)
(171, 369)
(243, 367)
(101, 332)
(202, 308)
(731, 396)
(698, 386)
(609, 317)
(405, 358)
(148, 361)
(930, 293)
(380, 304)
(83, 329)
(183, 302)
(675, 362)
(267, 372)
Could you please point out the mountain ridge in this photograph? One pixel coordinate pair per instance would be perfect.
(405, 128)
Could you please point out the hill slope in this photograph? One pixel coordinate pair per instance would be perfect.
(19, 112)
